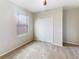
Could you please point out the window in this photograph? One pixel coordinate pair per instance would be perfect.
(22, 23)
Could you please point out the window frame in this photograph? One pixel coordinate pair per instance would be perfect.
(27, 19)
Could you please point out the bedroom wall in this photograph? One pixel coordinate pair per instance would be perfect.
(8, 38)
(71, 25)
(57, 18)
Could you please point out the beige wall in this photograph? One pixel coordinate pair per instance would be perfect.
(8, 39)
(71, 26)
(54, 28)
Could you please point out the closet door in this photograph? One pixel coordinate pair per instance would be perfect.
(44, 29)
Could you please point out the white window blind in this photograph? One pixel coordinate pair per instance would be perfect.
(22, 23)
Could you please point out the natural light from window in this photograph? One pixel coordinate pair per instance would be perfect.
(22, 23)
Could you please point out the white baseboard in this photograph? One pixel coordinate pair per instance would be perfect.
(72, 43)
(15, 48)
(61, 45)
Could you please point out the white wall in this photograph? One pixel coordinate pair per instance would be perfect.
(29, 35)
(57, 17)
(8, 38)
(71, 25)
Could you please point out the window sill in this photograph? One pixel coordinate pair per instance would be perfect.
(22, 35)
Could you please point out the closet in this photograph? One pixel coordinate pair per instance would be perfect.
(44, 29)
(48, 26)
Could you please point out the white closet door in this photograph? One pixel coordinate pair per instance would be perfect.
(44, 29)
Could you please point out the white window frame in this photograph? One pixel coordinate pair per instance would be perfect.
(24, 34)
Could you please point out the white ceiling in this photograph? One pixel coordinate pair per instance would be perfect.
(37, 5)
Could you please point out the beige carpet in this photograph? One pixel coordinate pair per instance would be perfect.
(41, 50)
